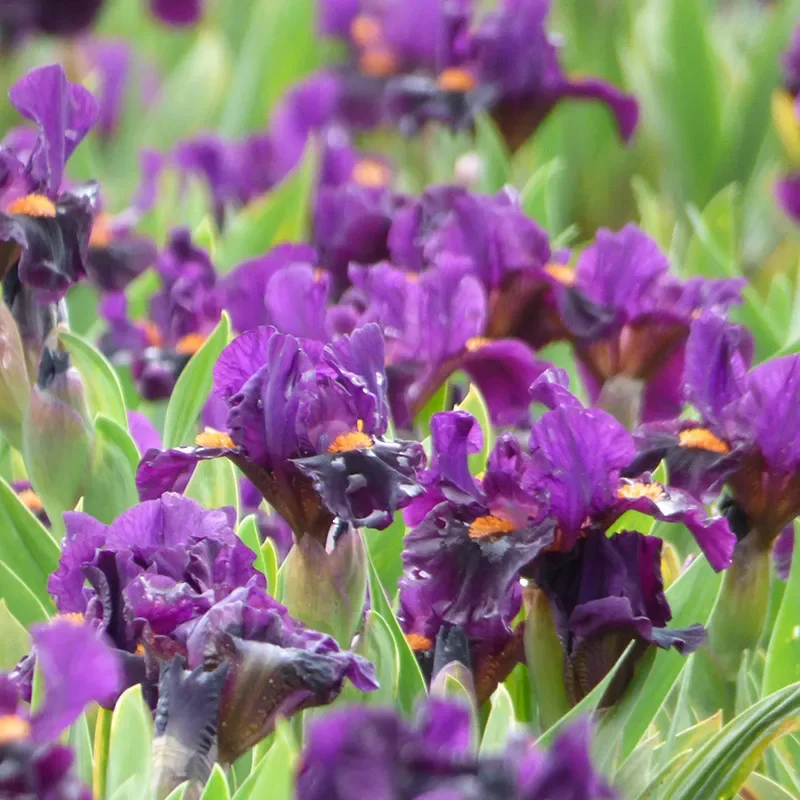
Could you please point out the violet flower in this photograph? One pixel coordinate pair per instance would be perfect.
(48, 17)
(182, 314)
(33, 763)
(362, 753)
(579, 458)
(468, 543)
(629, 320)
(606, 593)
(306, 426)
(157, 567)
(250, 663)
(179, 13)
(45, 233)
(434, 323)
(786, 116)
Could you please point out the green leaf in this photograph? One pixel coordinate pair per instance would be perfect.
(102, 386)
(436, 404)
(475, 404)
(759, 787)
(270, 555)
(495, 158)
(111, 487)
(188, 100)
(535, 197)
(247, 531)
(100, 750)
(216, 787)
(500, 723)
(129, 741)
(377, 645)
(80, 740)
(273, 776)
(282, 215)
(193, 387)
(214, 484)
(14, 640)
(783, 654)
(411, 684)
(178, 792)
(26, 547)
(723, 764)
(688, 97)
(712, 249)
(691, 599)
(138, 294)
(385, 548)
(279, 48)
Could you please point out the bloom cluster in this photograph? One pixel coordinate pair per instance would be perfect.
(329, 411)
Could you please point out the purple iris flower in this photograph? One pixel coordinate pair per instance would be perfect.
(282, 288)
(182, 314)
(306, 426)
(159, 566)
(606, 593)
(20, 18)
(744, 438)
(786, 113)
(33, 763)
(494, 240)
(353, 208)
(435, 324)
(518, 63)
(249, 663)
(787, 193)
(629, 321)
(580, 457)
(362, 753)
(470, 538)
(179, 13)
(46, 232)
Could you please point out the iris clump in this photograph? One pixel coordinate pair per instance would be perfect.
(399, 399)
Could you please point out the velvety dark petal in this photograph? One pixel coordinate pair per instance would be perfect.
(78, 669)
(457, 571)
(504, 371)
(187, 715)
(52, 247)
(113, 267)
(366, 487)
(276, 667)
(63, 112)
(46, 771)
